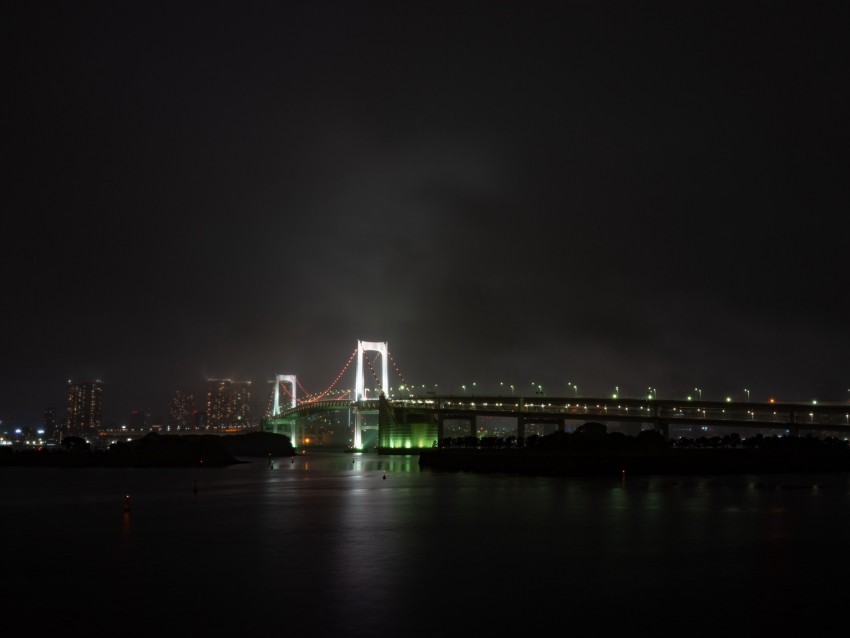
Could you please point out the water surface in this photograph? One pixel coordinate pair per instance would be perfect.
(324, 545)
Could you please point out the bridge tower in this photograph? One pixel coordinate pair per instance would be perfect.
(359, 389)
(290, 379)
(285, 378)
(373, 346)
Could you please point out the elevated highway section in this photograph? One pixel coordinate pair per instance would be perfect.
(415, 423)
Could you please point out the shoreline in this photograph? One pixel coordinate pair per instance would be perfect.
(156, 450)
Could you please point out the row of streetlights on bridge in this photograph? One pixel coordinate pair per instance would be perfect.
(537, 388)
(652, 392)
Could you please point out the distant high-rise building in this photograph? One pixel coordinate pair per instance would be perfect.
(241, 413)
(84, 408)
(181, 410)
(218, 403)
(228, 404)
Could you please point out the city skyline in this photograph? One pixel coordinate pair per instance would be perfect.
(260, 402)
(602, 196)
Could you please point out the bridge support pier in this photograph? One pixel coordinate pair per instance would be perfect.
(358, 429)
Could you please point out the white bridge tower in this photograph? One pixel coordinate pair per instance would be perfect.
(373, 346)
(285, 378)
(360, 389)
(290, 379)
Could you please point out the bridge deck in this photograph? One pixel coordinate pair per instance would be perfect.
(758, 415)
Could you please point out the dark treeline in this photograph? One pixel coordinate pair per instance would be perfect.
(595, 436)
(591, 450)
(156, 450)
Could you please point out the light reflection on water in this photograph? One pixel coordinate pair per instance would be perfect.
(324, 545)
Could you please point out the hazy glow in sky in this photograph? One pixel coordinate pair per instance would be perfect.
(613, 195)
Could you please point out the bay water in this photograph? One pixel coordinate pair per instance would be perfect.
(337, 544)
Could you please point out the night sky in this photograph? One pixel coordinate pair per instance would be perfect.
(615, 195)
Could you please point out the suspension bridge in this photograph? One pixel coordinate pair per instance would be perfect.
(287, 413)
(410, 421)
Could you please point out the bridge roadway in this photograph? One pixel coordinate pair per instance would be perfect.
(659, 414)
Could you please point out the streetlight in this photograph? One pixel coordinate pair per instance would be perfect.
(699, 390)
(464, 389)
(748, 394)
(616, 391)
(512, 389)
(575, 389)
(473, 388)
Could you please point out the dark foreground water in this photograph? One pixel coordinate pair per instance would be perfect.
(325, 546)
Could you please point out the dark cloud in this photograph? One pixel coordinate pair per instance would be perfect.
(615, 195)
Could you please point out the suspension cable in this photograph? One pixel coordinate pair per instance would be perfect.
(396, 368)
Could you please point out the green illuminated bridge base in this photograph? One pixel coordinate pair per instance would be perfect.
(422, 423)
